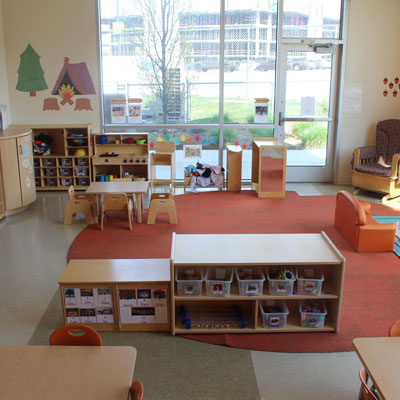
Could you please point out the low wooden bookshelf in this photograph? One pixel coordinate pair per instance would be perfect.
(313, 251)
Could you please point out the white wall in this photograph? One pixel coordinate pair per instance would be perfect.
(4, 98)
(372, 53)
(55, 29)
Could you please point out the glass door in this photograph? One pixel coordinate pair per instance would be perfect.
(307, 100)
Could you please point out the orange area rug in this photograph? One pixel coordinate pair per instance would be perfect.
(370, 299)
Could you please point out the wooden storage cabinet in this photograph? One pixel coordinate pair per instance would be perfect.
(314, 251)
(64, 165)
(16, 167)
(117, 295)
(121, 155)
(2, 205)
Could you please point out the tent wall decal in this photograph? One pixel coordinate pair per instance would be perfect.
(74, 79)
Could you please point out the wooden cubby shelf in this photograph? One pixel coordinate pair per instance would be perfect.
(63, 166)
(315, 252)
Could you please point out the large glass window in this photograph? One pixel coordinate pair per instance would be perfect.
(201, 72)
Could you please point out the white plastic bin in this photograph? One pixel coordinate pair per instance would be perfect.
(280, 287)
(274, 314)
(189, 281)
(218, 281)
(312, 313)
(250, 281)
(309, 280)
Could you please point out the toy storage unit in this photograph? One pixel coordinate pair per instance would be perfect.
(66, 161)
(121, 155)
(117, 295)
(249, 258)
(17, 186)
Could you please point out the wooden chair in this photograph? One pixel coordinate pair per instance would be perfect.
(79, 203)
(117, 202)
(365, 392)
(395, 329)
(137, 390)
(162, 202)
(75, 335)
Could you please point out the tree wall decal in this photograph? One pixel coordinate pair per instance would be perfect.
(30, 72)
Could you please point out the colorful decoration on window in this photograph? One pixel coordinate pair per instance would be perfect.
(176, 141)
(183, 138)
(151, 145)
(197, 137)
(190, 140)
(385, 80)
(244, 145)
(236, 142)
(159, 139)
(30, 73)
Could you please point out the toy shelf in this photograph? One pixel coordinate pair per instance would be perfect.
(130, 158)
(67, 142)
(259, 251)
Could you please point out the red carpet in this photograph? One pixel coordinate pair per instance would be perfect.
(371, 300)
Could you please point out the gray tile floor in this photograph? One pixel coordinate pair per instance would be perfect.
(33, 248)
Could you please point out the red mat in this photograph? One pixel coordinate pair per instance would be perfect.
(371, 299)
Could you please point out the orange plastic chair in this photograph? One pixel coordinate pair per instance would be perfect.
(75, 335)
(137, 390)
(365, 391)
(395, 329)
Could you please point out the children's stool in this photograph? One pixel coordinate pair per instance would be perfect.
(162, 202)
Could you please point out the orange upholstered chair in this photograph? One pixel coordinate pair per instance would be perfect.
(395, 329)
(75, 335)
(353, 220)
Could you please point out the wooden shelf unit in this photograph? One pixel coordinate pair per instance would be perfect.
(234, 168)
(164, 155)
(62, 167)
(268, 167)
(259, 251)
(116, 275)
(2, 204)
(132, 158)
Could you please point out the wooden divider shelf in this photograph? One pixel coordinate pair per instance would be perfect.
(117, 295)
(264, 251)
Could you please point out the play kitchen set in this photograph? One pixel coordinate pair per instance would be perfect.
(121, 156)
(255, 285)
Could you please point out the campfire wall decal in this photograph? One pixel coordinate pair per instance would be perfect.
(74, 80)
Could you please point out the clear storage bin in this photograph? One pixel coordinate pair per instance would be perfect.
(66, 171)
(51, 171)
(189, 281)
(312, 314)
(66, 162)
(274, 314)
(250, 281)
(66, 181)
(280, 287)
(309, 281)
(49, 162)
(83, 182)
(82, 162)
(218, 281)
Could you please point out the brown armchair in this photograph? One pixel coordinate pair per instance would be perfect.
(377, 168)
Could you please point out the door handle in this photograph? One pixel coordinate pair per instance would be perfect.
(281, 118)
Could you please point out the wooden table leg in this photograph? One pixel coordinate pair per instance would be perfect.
(139, 207)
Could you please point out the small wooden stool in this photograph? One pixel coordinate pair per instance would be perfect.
(162, 202)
